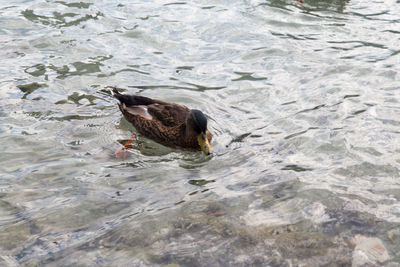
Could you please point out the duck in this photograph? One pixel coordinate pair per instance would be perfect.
(170, 124)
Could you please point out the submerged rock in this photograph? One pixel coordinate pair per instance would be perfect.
(369, 250)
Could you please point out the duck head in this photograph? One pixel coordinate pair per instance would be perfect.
(198, 122)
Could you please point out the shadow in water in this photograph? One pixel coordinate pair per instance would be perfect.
(310, 6)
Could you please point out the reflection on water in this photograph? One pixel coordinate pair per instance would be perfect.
(302, 99)
(58, 19)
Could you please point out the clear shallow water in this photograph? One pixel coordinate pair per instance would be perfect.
(303, 102)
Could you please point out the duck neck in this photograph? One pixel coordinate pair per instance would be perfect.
(190, 133)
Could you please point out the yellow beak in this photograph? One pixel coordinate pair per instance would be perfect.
(204, 144)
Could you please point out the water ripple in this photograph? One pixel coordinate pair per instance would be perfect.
(302, 100)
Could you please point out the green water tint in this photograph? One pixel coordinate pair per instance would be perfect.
(302, 100)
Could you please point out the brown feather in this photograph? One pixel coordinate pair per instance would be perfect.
(167, 123)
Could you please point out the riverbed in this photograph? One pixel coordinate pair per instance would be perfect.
(302, 98)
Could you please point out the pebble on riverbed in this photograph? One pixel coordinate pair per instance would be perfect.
(368, 250)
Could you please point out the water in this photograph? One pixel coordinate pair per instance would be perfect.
(302, 99)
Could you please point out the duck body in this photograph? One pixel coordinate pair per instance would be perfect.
(169, 124)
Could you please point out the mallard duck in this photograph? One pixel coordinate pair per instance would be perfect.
(169, 124)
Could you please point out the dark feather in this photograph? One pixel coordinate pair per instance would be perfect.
(170, 124)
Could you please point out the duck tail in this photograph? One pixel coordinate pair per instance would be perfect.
(117, 95)
(114, 92)
(130, 100)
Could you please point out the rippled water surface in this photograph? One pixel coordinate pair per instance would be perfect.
(302, 98)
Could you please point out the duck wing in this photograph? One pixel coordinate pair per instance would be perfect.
(168, 114)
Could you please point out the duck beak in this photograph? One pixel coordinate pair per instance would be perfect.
(204, 144)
